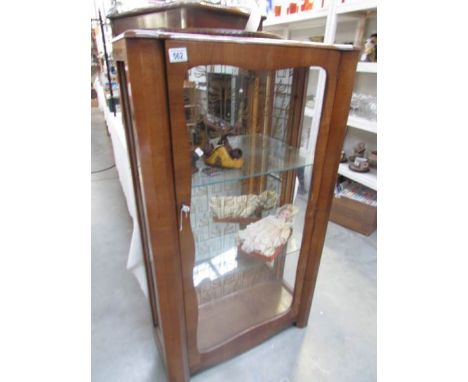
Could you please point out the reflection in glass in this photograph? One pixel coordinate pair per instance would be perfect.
(250, 152)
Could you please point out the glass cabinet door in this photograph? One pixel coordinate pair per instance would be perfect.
(251, 136)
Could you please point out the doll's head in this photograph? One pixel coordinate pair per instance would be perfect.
(287, 212)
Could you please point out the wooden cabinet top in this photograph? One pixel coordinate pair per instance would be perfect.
(181, 15)
(228, 36)
(214, 8)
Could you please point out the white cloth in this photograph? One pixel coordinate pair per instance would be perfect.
(135, 261)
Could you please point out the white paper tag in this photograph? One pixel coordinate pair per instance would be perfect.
(199, 152)
(178, 55)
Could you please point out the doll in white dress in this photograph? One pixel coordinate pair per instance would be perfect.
(266, 235)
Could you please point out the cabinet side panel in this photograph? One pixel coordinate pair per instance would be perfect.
(139, 200)
(329, 144)
(146, 73)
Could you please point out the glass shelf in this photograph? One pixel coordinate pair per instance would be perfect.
(262, 155)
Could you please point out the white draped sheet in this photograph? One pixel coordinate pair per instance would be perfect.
(135, 261)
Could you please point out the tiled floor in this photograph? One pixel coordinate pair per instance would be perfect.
(339, 343)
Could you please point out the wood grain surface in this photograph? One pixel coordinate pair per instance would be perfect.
(162, 154)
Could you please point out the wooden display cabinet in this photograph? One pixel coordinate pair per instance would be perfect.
(181, 15)
(209, 300)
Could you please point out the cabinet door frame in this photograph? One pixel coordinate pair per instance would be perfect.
(340, 69)
(150, 155)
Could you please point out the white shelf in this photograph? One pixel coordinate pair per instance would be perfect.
(367, 67)
(309, 112)
(368, 179)
(356, 6)
(362, 124)
(350, 10)
(295, 18)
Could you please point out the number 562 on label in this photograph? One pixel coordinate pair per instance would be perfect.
(178, 55)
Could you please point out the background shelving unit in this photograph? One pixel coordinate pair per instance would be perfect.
(368, 179)
(367, 67)
(338, 21)
(296, 18)
(362, 124)
(351, 21)
(355, 5)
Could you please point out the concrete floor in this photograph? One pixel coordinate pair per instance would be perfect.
(340, 343)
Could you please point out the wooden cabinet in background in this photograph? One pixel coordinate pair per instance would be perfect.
(211, 299)
(181, 15)
(359, 217)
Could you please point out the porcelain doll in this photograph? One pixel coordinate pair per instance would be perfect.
(269, 233)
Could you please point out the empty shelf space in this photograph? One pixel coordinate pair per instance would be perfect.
(222, 319)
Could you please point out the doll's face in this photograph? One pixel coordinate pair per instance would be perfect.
(284, 214)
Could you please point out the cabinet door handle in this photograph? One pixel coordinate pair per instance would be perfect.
(183, 209)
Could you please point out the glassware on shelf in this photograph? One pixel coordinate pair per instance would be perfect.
(355, 105)
(372, 108)
(364, 106)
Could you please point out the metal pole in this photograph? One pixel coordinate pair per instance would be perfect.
(106, 58)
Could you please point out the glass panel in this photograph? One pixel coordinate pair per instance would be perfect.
(261, 154)
(252, 155)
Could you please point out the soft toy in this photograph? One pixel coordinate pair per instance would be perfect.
(223, 155)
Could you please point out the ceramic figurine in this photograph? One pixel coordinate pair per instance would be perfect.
(359, 151)
(223, 155)
(370, 49)
(359, 165)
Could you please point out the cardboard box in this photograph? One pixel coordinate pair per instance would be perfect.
(357, 216)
